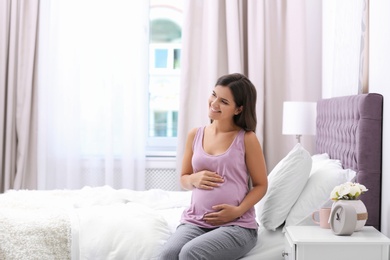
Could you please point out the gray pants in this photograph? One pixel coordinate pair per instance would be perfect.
(192, 242)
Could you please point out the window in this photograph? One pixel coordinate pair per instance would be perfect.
(164, 77)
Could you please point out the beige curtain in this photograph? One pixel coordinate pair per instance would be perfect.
(18, 30)
(276, 43)
(293, 68)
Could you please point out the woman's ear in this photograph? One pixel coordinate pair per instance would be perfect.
(239, 110)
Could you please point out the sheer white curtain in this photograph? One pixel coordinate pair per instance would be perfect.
(93, 68)
(345, 47)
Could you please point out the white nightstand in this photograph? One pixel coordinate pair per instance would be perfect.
(315, 243)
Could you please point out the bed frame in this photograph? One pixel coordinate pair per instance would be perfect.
(355, 137)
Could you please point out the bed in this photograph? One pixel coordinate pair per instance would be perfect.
(104, 223)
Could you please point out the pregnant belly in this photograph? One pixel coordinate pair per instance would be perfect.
(204, 200)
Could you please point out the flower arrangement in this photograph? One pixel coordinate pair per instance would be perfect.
(348, 191)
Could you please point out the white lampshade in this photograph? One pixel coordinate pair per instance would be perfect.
(299, 118)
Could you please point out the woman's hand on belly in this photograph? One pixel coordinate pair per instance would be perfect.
(206, 180)
(224, 214)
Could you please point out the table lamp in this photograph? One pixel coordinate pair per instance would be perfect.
(299, 118)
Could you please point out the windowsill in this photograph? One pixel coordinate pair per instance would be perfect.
(160, 154)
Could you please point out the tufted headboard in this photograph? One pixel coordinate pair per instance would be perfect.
(349, 128)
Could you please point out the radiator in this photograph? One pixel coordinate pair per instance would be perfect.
(161, 178)
(161, 174)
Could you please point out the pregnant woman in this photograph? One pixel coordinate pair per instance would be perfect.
(224, 166)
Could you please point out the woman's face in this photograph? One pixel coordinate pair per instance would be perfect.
(222, 105)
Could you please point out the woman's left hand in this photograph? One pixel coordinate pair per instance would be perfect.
(225, 213)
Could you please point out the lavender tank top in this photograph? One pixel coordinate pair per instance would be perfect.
(231, 166)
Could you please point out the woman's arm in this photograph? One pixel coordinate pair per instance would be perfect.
(255, 163)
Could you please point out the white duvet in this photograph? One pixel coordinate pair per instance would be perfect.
(99, 223)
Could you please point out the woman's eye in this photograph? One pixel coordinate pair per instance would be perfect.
(223, 101)
(214, 95)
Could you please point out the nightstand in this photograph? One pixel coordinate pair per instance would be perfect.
(313, 242)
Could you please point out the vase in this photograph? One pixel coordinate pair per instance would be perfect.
(361, 211)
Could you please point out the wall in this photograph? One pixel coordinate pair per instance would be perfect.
(379, 81)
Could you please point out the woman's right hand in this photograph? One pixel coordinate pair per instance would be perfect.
(206, 180)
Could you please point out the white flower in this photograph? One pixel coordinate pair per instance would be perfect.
(334, 194)
(362, 187)
(354, 191)
(347, 191)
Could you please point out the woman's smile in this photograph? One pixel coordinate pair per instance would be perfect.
(214, 110)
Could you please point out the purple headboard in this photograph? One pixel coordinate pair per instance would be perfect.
(349, 128)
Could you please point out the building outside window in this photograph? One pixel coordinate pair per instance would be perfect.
(164, 76)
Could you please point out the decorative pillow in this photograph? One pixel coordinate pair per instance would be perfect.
(325, 175)
(285, 182)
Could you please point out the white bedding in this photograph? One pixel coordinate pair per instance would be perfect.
(99, 223)
(103, 223)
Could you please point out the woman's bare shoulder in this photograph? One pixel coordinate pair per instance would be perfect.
(191, 134)
(250, 136)
(193, 131)
(251, 139)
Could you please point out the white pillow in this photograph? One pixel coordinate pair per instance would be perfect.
(319, 157)
(318, 160)
(325, 175)
(285, 182)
